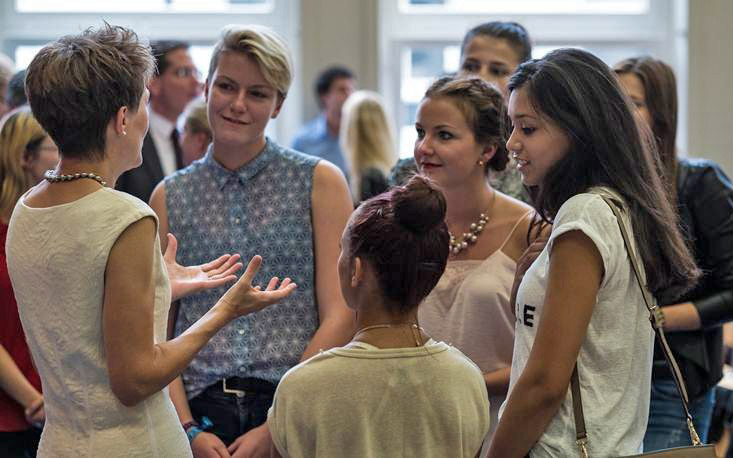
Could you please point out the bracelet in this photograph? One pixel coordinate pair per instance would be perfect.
(193, 428)
(188, 424)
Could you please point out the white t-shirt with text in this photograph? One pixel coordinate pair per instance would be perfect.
(615, 360)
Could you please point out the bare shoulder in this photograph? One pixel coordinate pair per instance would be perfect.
(518, 216)
(326, 174)
(329, 184)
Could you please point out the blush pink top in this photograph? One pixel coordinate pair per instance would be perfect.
(469, 309)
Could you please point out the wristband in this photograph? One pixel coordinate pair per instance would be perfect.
(193, 428)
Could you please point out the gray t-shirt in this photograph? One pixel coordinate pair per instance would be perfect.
(614, 364)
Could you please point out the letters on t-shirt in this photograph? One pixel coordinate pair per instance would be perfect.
(527, 317)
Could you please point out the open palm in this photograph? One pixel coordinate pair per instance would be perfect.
(242, 298)
(188, 280)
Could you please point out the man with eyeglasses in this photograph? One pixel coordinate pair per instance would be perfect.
(175, 84)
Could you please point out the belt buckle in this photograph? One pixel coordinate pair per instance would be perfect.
(238, 393)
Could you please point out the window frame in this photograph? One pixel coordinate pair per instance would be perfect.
(22, 28)
(662, 30)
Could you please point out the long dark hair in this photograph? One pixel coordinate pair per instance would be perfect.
(579, 93)
(660, 97)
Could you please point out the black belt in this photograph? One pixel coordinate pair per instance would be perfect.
(243, 386)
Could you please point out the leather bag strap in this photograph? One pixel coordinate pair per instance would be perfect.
(656, 318)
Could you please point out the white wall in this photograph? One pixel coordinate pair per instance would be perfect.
(340, 32)
(710, 119)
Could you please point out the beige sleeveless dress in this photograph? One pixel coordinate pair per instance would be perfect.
(57, 258)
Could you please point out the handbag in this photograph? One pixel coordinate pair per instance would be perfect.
(697, 449)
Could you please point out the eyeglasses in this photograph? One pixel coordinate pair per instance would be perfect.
(186, 72)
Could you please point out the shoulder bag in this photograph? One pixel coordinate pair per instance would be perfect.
(697, 449)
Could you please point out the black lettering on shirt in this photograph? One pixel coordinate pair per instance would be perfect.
(529, 315)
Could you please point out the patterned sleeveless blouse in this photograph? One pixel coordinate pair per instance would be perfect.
(262, 208)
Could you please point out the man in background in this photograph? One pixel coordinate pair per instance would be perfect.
(174, 85)
(320, 137)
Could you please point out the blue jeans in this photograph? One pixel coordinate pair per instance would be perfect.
(667, 426)
(232, 415)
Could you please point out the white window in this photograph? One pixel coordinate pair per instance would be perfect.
(139, 6)
(420, 40)
(27, 25)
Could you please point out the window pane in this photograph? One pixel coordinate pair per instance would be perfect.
(137, 6)
(527, 6)
(201, 56)
(24, 54)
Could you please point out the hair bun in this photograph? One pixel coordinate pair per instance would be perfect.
(419, 206)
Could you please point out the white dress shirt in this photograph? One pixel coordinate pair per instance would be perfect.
(161, 130)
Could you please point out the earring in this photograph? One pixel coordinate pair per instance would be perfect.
(124, 132)
(480, 163)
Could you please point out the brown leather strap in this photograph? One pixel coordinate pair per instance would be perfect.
(657, 321)
(581, 437)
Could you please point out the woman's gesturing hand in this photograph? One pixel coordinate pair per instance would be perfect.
(242, 298)
(188, 280)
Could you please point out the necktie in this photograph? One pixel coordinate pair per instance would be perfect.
(177, 148)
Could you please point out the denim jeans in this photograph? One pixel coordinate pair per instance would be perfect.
(232, 415)
(667, 426)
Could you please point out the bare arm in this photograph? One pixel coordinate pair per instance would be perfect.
(332, 207)
(273, 451)
(576, 271)
(138, 367)
(497, 382)
(681, 317)
(14, 383)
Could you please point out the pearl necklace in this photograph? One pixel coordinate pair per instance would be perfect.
(51, 177)
(413, 327)
(470, 237)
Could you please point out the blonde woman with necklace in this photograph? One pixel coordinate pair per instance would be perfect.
(461, 128)
(392, 391)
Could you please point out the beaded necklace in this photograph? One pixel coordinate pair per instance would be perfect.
(470, 237)
(51, 177)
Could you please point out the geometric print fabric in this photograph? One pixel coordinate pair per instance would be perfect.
(262, 208)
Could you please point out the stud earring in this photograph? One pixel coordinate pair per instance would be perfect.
(124, 132)
(480, 163)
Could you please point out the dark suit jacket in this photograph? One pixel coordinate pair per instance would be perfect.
(141, 181)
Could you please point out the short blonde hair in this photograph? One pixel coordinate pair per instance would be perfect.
(20, 134)
(195, 118)
(263, 45)
(366, 136)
